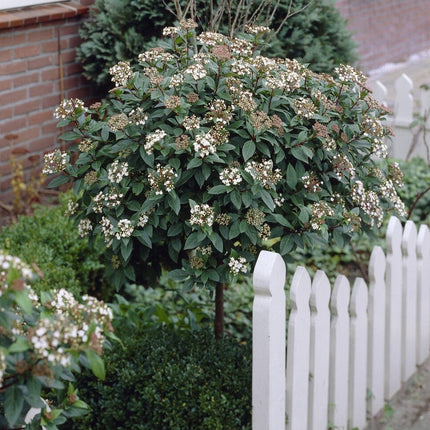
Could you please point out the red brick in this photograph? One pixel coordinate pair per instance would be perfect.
(13, 67)
(50, 74)
(26, 107)
(42, 89)
(5, 84)
(73, 42)
(69, 56)
(5, 55)
(40, 117)
(51, 101)
(27, 51)
(44, 143)
(9, 38)
(28, 133)
(11, 97)
(26, 79)
(40, 62)
(40, 34)
(6, 112)
(52, 46)
(68, 29)
(50, 128)
(12, 125)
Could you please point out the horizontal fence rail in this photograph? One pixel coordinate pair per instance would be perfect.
(349, 349)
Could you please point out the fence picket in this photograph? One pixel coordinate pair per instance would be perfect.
(319, 352)
(337, 348)
(339, 354)
(403, 105)
(409, 313)
(268, 360)
(376, 331)
(423, 293)
(298, 351)
(393, 330)
(358, 355)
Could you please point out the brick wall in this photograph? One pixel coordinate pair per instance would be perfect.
(37, 70)
(387, 30)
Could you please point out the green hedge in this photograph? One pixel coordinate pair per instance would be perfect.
(50, 240)
(165, 379)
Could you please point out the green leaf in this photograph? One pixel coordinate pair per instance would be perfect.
(267, 199)
(218, 189)
(236, 199)
(286, 245)
(143, 237)
(248, 150)
(291, 176)
(195, 162)
(96, 364)
(20, 345)
(193, 240)
(59, 180)
(178, 275)
(105, 133)
(175, 229)
(338, 238)
(174, 202)
(216, 240)
(13, 404)
(24, 302)
(304, 216)
(70, 135)
(126, 249)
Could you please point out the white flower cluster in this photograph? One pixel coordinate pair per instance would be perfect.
(110, 200)
(170, 31)
(230, 176)
(71, 208)
(305, 107)
(162, 180)
(121, 73)
(241, 67)
(350, 74)
(117, 171)
(204, 144)
(84, 227)
(342, 166)
(137, 116)
(285, 80)
(389, 192)
(154, 55)
(191, 122)
(152, 138)
(143, 220)
(176, 80)
(237, 265)
(263, 172)
(197, 71)
(202, 215)
(320, 211)
(368, 202)
(54, 162)
(256, 29)
(124, 229)
(311, 183)
(212, 39)
(7, 261)
(68, 107)
(107, 230)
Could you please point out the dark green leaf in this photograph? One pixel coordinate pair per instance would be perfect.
(174, 202)
(286, 245)
(291, 176)
(218, 189)
(59, 180)
(13, 404)
(195, 162)
(96, 364)
(216, 240)
(248, 150)
(235, 199)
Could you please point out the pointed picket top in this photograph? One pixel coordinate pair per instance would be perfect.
(269, 273)
(423, 294)
(319, 352)
(409, 310)
(394, 235)
(268, 360)
(339, 354)
(403, 105)
(379, 91)
(358, 355)
(376, 330)
(298, 352)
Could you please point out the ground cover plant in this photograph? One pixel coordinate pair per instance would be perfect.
(313, 33)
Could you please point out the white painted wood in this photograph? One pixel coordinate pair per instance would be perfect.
(423, 294)
(319, 352)
(358, 355)
(339, 354)
(298, 352)
(393, 306)
(403, 104)
(269, 323)
(376, 331)
(379, 91)
(409, 313)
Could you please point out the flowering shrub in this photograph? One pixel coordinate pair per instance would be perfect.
(41, 343)
(207, 149)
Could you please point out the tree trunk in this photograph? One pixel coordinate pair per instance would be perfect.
(219, 310)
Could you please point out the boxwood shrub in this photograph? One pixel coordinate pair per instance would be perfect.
(166, 379)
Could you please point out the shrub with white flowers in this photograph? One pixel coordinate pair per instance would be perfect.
(207, 144)
(42, 342)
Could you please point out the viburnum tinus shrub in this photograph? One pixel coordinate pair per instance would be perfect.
(207, 150)
(44, 342)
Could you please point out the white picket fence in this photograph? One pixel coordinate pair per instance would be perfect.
(348, 350)
(407, 142)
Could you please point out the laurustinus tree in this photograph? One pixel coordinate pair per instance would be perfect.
(207, 151)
